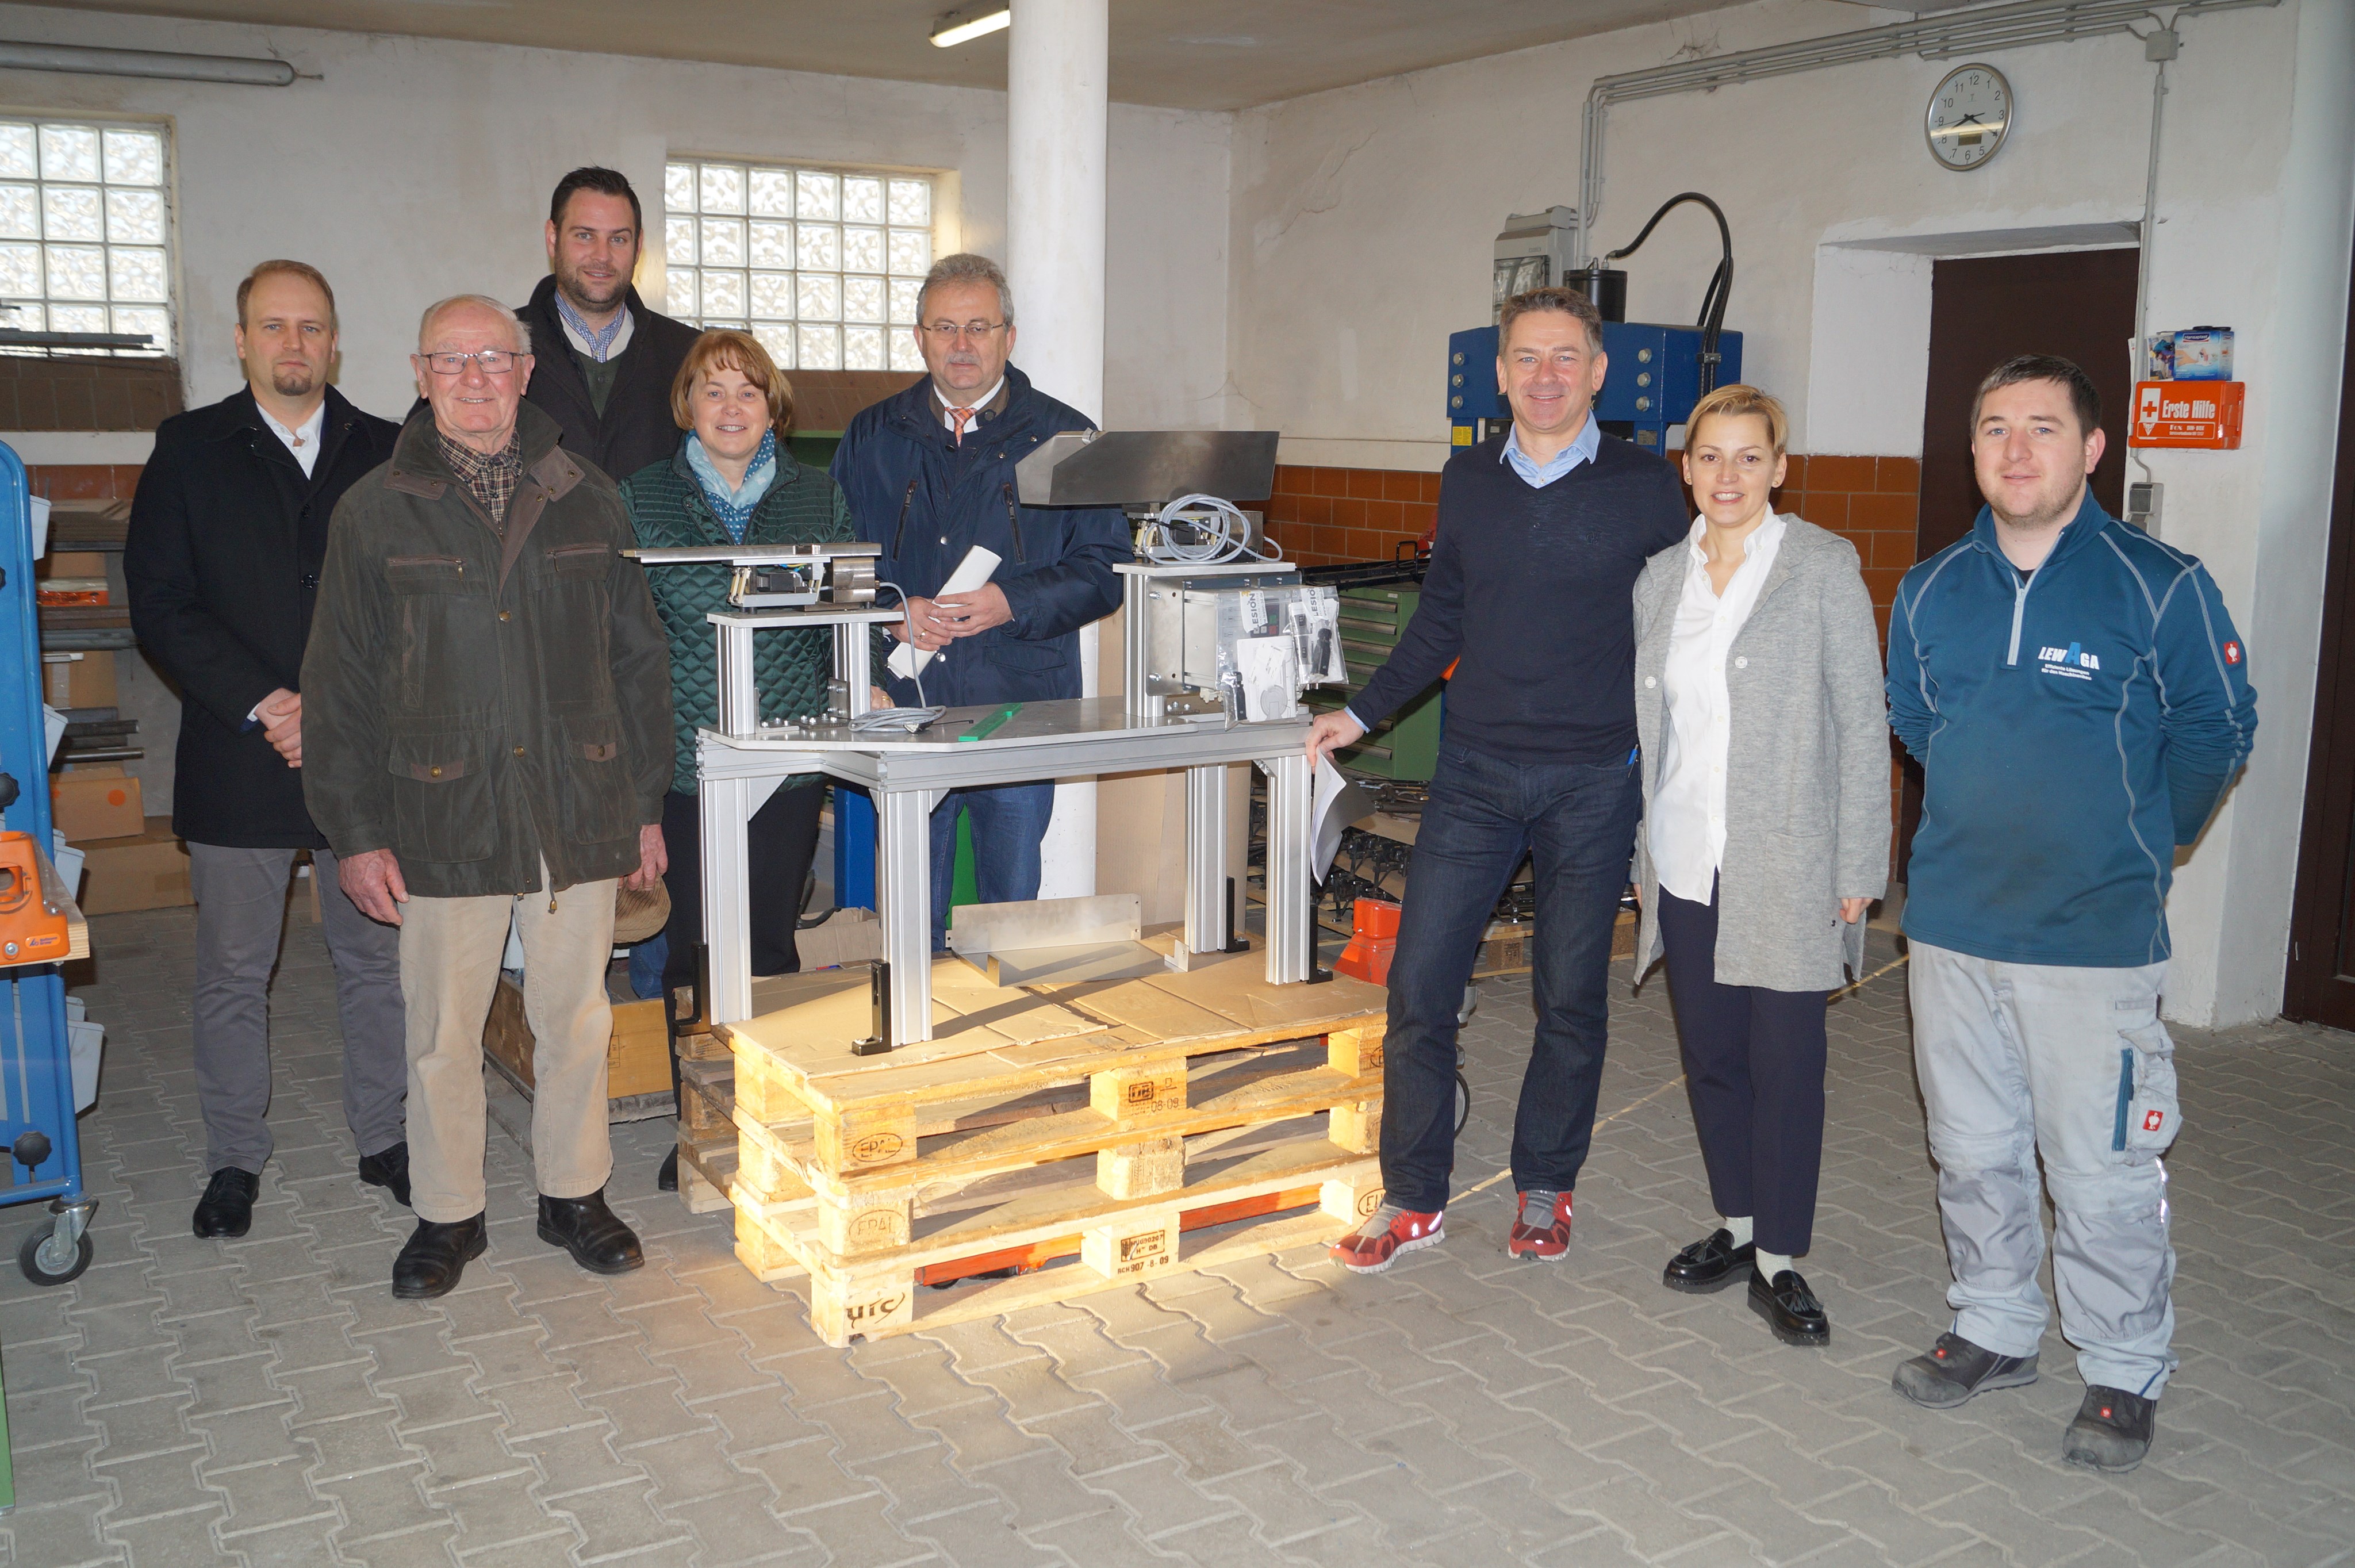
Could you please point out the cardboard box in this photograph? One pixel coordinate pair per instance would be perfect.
(79, 680)
(70, 563)
(96, 803)
(143, 871)
(637, 1055)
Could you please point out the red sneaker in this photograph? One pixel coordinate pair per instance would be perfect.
(1541, 1234)
(1386, 1233)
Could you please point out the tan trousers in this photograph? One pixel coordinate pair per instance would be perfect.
(450, 951)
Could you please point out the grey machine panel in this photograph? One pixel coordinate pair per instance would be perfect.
(1147, 467)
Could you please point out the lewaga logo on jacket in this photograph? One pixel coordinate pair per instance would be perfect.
(2071, 661)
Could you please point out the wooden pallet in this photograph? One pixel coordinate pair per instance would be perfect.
(1038, 1118)
(707, 1130)
(980, 1253)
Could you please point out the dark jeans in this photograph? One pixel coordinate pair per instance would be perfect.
(780, 842)
(1009, 821)
(1578, 823)
(1754, 1067)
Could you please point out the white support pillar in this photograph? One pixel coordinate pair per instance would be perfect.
(1057, 77)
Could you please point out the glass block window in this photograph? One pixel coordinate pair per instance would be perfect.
(85, 235)
(821, 265)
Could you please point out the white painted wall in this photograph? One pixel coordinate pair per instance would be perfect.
(1363, 220)
(415, 168)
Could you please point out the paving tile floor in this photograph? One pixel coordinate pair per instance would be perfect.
(267, 1401)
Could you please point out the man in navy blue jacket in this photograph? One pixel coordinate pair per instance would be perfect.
(929, 473)
(2079, 701)
(1531, 595)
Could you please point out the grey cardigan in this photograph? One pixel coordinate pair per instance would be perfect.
(1806, 797)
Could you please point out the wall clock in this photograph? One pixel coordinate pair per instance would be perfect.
(1969, 112)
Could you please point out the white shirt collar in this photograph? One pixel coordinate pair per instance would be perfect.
(301, 440)
(941, 400)
(1765, 536)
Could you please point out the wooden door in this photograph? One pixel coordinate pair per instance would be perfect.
(1984, 310)
(2321, 988)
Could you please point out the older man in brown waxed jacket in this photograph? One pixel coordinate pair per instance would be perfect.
(487, 737)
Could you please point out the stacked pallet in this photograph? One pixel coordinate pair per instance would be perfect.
(1048, 1141)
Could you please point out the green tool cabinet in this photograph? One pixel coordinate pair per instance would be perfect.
(1406, 744)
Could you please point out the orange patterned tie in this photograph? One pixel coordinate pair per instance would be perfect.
(956, 430)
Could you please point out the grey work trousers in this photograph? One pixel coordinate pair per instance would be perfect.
(240, 920)
(2019, 1060)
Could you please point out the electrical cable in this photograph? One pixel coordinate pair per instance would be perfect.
(880, 720)
(1711, 321)
(1226, 533)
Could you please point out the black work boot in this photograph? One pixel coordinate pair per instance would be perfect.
(666, 1178)
(227, 1206)
(1954, 1369)
(595, 1235)
(2112, 1430)
(435, 1255)
(388, 1168)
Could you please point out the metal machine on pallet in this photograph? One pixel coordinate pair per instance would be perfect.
(36, 1093)
(1219, 651)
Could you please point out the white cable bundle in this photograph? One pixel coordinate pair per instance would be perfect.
(1226, 534)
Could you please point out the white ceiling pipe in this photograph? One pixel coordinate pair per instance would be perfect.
(222, 69)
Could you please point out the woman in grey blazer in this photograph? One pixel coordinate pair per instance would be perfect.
(1765, 754)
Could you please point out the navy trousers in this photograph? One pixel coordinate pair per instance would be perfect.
(1009, 821)
(1754, 1067)
(1577, 822)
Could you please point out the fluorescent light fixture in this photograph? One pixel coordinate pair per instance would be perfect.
(962, 26)
(146, 63)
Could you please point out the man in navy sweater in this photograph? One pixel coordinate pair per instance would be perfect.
(1531, 595)
(2079, 700)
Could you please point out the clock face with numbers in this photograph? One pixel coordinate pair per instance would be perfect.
(1969, 112)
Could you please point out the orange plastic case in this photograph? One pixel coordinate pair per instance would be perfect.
(31, 932)
(2200, 414)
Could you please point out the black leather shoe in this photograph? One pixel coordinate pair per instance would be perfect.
(227, 1206)
(435, 1255)
(388, 1170)
(1711, 1264)
(1790, 1308)
(2112, 1430)
(1954, 1370)
(666, 1178)
(595, 1235)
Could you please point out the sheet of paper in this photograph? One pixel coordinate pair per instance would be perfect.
(1337, 803)
(971, 573)
(1270, 678)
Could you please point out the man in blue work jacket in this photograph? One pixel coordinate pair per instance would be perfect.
(929, 473)
(2079, 701)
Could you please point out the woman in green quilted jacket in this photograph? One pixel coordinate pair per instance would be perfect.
(733, 482)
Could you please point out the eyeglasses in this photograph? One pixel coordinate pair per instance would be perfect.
(949, 331)
(490, 361)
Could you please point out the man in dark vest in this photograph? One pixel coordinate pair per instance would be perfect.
(606, 360)
(228, 535)
(1530, 596)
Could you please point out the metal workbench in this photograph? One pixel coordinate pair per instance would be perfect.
(906, 776)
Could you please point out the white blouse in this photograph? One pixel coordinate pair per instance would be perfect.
(1686, 825)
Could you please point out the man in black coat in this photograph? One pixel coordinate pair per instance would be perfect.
(227, 534)
(605, 361)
